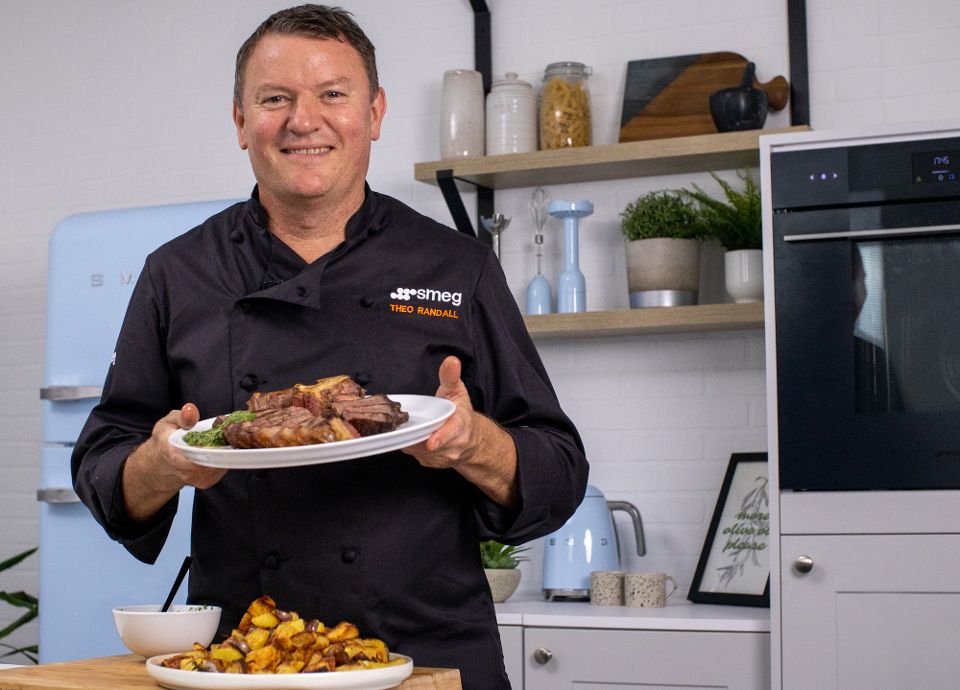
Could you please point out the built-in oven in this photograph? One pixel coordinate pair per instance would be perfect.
(866, 295)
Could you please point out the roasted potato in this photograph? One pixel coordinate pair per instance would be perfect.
(271, 640)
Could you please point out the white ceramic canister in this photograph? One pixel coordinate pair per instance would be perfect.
(511, 116)
(461, 114)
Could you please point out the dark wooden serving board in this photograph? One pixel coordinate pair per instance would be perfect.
(670, 96)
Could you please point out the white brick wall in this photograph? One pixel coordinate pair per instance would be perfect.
(113, 103)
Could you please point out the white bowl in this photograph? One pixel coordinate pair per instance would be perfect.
(147, 631)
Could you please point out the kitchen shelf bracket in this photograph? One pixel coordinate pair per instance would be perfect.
(482, 52)
(461, 219)
(799, 77)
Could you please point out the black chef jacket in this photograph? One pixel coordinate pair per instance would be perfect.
(227, 309)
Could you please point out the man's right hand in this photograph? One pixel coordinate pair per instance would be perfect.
(156, 471)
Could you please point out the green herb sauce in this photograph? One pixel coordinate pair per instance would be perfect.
(212, 438)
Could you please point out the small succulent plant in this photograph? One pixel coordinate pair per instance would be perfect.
(497, 556)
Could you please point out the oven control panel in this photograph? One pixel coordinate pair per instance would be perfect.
(938, 166)
(871, 173)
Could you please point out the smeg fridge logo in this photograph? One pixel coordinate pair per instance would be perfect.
(98, 279)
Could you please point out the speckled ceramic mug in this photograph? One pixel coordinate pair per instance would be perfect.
(606, 588)
(647, 590)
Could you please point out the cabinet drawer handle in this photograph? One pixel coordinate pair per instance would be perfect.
(803, 564)
(542, 655)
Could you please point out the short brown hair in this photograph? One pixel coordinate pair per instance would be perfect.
(317, 21)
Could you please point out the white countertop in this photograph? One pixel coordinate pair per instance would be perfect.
(678, 615)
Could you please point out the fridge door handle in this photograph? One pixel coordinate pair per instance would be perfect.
(67, 393)
(57, 495)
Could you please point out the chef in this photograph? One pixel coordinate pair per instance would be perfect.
(317, 275)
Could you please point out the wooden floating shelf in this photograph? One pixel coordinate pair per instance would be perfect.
(649, 321)
(608, 161)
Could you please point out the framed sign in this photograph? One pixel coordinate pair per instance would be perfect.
(734, 566)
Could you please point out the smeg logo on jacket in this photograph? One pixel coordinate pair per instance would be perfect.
(406, 294)
(429, 295)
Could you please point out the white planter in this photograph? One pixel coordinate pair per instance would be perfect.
(744, 275)
(503, 583)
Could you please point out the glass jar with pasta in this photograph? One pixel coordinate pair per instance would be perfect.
(565, 106)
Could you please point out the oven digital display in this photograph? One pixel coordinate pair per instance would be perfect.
(936, 166)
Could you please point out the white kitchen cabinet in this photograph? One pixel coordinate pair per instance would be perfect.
(561, 659)
(874, 612)
(879, 604)
(511, 637)
(575, 645)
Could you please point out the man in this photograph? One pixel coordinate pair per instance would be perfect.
(317, 275)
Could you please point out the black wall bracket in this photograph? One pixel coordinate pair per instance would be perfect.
(448, 186)
(799, 80)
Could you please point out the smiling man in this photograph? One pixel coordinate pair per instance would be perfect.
(306, 112)
(317, 275)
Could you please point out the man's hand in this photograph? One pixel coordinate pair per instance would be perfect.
(472, 444)
(156, 471)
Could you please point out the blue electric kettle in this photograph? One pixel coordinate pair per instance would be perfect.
(587, 541)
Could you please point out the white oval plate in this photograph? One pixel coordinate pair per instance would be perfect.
(427, 414)
(367, 679)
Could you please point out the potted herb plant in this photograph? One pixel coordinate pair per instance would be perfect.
(663, 237)
(500, 563)
(736, 221)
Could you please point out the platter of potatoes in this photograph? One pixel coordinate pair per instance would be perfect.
(278, 650)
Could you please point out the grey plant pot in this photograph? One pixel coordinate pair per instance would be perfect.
(663, 266)
(503, 583)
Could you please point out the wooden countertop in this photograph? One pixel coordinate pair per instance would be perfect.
(128, 672)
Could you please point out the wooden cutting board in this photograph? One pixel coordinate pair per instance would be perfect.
(670, 96)
(128, 672)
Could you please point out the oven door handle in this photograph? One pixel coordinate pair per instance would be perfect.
(869, 233)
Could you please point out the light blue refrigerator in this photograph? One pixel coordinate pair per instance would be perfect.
(94, 262)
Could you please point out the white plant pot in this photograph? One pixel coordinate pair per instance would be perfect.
(744, 275)
(503, 583)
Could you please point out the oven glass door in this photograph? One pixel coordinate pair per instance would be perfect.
(868, 347)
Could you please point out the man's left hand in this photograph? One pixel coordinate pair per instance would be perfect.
(469, 442)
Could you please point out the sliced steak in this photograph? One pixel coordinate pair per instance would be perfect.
(287, 426)
(332, 409)
(317, 397)
(271, 400)
(375, 414)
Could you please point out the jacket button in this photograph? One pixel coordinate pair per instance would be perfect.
(349, 555)
(271, 562)
(301, 290)
(366, 300)
(362, 379)
(236, 237)
(248, 382)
